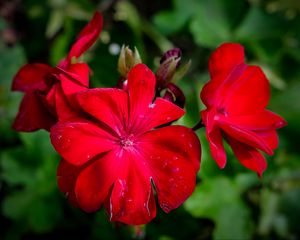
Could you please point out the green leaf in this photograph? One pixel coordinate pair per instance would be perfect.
(219, 199)
(289, 206)
(16, 205)
(210, 26)
(43, 215)
(169, 22)
(12, 58)
(13, 171)
(258, 25)
(55, 22)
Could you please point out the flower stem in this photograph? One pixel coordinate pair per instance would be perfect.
(198, 125)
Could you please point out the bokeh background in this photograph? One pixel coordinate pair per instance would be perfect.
(227, 204)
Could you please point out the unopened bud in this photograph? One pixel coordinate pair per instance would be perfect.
(175, 95)
(127, 60)
(170, 69)
(167, 68)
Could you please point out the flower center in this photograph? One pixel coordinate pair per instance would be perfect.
(126, 142)
(222, 111)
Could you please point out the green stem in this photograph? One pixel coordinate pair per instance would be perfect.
(198, 125)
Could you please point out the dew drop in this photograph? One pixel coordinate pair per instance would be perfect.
(175, 158)
(165, 206)
(66, 144)
(190, 145)
(165, 164)
(151, 105)
(176, 169)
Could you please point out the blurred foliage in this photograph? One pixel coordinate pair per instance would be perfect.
(227, 204)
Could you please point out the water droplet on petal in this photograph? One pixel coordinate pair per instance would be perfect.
(151, 105)
(165, 206)
(165, 164)
(65, 143)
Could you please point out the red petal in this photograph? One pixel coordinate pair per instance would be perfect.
(217, 90)
(172, 156)
(270, 138)
(33, 114)
(95, 181)
(225, 57)
(66, 177)
(76, 82)
(248, 156)
(78, 72)
(132, 200)
(261, 121)
(109, 105)
(141, 87)
(86, 39)
(160, 112)
(50, 99)
(31, 77)
(216, 147)
(247, 137)
(214, 137)
(78, 142)
(248, 94)
(63, 109)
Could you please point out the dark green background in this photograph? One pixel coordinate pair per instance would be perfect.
(227, 204)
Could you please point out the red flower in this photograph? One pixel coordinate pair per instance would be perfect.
(49, 92)
(236, 98)
(120, 158)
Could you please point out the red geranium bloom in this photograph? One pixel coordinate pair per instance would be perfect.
(120, 158)
(49, 92)
(236, 98)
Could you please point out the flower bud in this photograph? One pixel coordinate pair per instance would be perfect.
(127, 60)
(175, 95)
(170, 69)
(169, 62)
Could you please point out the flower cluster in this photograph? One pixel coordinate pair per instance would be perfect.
(119, 146)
